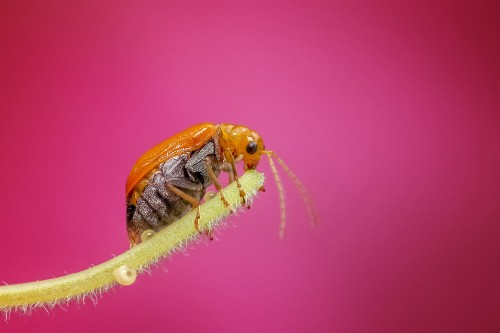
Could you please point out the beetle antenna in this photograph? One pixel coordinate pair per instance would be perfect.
(281, 193)
(302, 190)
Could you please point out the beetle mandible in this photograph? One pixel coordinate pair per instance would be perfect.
(171, 178)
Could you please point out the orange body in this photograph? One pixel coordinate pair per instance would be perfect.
(232, 143)
(232, 139)
(184, 142)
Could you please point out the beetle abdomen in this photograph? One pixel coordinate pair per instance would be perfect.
(157, 206)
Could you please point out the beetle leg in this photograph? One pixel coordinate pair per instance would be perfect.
(215, 181)
(229, 156)
(210, 234)
(238, 158)
(193, 201)
(226, 167)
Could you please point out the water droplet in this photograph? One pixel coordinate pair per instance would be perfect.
(209, 195)
(147, 234)
(124, 275)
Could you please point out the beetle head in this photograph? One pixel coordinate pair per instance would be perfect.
(243, 142)
(248, 145)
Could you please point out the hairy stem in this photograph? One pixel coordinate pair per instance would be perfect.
(100, 277)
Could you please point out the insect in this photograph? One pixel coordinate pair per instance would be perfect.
(172, 178)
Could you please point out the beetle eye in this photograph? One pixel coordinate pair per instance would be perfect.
(252, 147)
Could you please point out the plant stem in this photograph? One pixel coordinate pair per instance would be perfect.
(100, 277)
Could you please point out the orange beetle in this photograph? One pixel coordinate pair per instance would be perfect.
(170, 179)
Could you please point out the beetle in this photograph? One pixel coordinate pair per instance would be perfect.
(171, 178)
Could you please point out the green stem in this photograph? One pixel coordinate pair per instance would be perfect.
(100, 277)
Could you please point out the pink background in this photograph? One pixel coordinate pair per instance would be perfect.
(388, 111)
